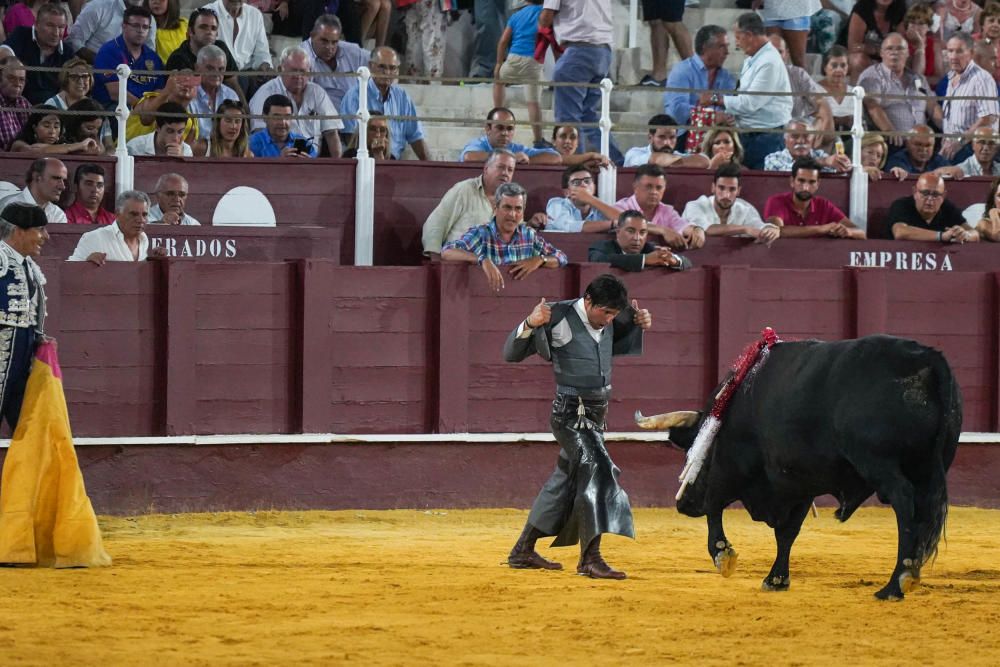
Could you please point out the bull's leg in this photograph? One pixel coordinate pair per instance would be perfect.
(784, 534)
(899, 492)
(719, 548)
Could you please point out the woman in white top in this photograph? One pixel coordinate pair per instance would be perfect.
(76, 79)
(985, 218)
(958, 16)
(835, 82)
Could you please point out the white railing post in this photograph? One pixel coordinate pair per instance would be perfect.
(633, 24)
(608, 182)
(364, 190)
(859, 179)
(124, 164)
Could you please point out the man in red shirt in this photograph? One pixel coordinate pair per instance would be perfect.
(86, 208)
(803, 213)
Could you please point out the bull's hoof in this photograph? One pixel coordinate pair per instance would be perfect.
(776, 583)
(891, 593)
(725, 561)
(900, 586)
(908, 581)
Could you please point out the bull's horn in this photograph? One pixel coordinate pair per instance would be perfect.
(668, 420)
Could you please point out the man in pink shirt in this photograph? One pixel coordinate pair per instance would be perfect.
(803, 213)
(664, 221)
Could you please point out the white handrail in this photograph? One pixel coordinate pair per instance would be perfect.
(124, 170)
(859, 179)
(364, 190)
(605, 122)
(633, 24)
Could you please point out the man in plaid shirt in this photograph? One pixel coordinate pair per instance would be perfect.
(12, 119)
(505, 240)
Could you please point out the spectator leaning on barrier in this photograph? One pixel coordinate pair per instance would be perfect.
(927, 215)
(763, 71)
(648, 188)
(241, 27)
(42, 46)
(874, 152)
(892, 77)
(128, 48)
(202, 31)
(505, 240)
(467, 203)
(123, 241)
(46, 181)
(43, 133)
(798, 144)
(171, 198)
(585, 31)
(724, 213)
(705, 70)
(277, 139)
(661, 149)
(88, 123)
(100, 22)
(389, 99)
(965, 78)
(985, 218)
(631, 250)
(87, 207)
(309, 102)
(168, 139)
(804, 214)
(566, 140)
(983, 161)
(14, 111)
(499, 133)
(919, 156)
(578, 210)
(330, 52)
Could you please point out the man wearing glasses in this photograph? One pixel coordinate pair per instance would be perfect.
(928, 216)
(128, 48)
(385, 96)
(892, 77)
(579, 210)
(99, 23)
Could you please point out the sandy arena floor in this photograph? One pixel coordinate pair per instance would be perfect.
(428, 588)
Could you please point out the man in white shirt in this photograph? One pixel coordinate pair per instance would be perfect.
(309, 100)
(122, 241)
(241, 27)
(171, 198)
(329, 52)
(763, 71)
(723, 213)
(168, 139)
(100, 21)
(46, 182)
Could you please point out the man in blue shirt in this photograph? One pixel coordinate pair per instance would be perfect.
(386, 97)
(579, 210)
(128, 48)
(277, 139)
(703, 70)
(500, 134)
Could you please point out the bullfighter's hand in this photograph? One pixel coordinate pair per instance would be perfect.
(541, 314)
(525, 267)
(642, 317)
(493, 275)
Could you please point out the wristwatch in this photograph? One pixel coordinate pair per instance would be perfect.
(716, 100)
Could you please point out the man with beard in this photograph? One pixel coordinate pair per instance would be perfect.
(631, 251)
(798, 144)
(579, 210)
(467, 203)
(309, 102)
(505, 241)
(648, 189)
(723, 213)
(499, 133)
(387, 97)
(581, 499)
(662, 146)
(87, 209)
(803, 214)
(928, 216)
(123, 241)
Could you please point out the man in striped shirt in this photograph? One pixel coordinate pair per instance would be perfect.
(505, 240)
(965, 79)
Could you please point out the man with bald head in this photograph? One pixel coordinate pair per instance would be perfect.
(799, 144)
(388, 98)
(892, 77)
(919, 156)
(928, 216)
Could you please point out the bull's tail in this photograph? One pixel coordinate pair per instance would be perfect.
(932, 502)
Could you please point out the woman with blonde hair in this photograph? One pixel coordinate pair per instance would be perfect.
(722, 145)
(230, 136)
(874, 152)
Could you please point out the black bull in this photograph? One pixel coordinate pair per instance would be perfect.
(851, 418)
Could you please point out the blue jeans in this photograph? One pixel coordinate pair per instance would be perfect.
(758, 145)
(491, 18)
(583, 105)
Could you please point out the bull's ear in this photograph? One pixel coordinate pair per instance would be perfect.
(669, 420)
